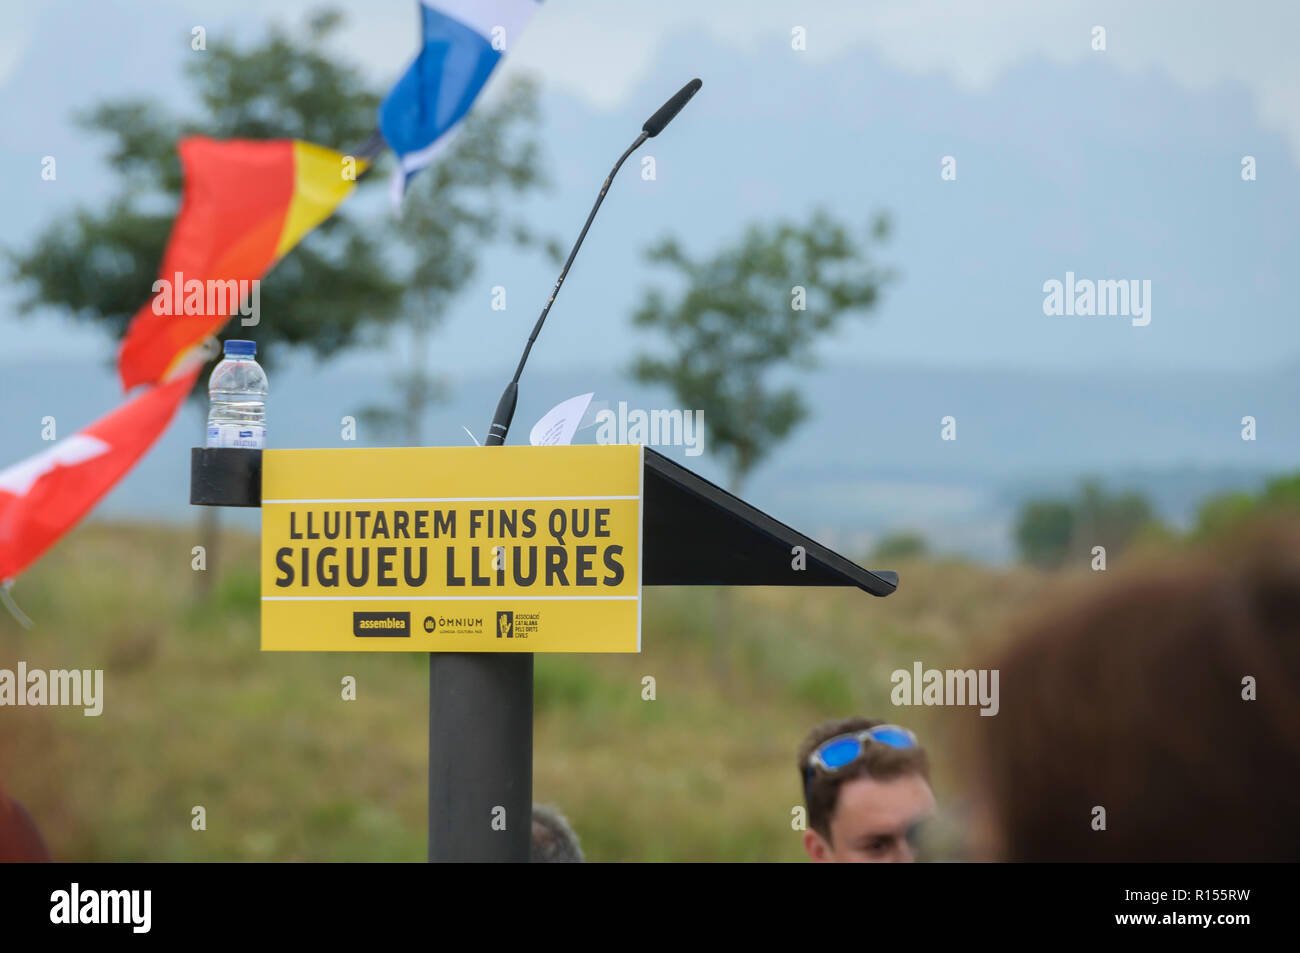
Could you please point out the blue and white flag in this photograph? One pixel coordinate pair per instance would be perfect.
(463, 41)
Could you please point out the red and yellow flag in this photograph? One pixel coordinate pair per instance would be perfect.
(245, 205)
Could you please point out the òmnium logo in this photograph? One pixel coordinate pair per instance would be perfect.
(430, 623)
(384, 624)
(456, 624)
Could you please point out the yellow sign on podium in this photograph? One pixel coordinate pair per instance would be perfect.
(452, 549)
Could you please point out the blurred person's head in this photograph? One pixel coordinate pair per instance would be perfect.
(554, 841)
(20, 840)
(1133, 701)
(866, 797)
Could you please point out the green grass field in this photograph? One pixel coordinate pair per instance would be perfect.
(194, 714)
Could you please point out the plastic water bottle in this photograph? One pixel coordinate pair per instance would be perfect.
(237, 391)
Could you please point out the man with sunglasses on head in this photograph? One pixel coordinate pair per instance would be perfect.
(867, 787)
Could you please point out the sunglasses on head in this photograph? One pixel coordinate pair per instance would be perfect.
(842, 750)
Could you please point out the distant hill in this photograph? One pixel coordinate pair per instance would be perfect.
(869, 460)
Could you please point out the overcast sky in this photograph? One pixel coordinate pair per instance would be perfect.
(598, 50)
(1120, 164)
(1198, 42)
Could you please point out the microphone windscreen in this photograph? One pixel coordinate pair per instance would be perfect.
(655, 124)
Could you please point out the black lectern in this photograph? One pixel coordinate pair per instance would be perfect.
(481, 704)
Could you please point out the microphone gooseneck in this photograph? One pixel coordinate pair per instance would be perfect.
(505, 411)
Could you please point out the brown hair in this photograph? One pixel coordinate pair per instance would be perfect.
(1135, 700)
(553, 840)
(20, 841)
(822, 790)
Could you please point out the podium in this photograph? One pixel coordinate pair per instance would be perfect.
(694, 533)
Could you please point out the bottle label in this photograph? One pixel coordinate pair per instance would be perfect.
(249, 436)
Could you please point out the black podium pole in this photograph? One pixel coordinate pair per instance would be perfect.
(480, 756)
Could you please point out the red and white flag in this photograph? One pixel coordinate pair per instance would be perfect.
(44, 496)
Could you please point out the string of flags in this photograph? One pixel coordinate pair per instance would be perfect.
(245, 205)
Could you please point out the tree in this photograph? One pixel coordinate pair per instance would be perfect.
(1225, 513)
(100, 265)
(1108, 519)
(748, 311)
(1283, 492)
(451, 210)
(1043, 532)
(1050, 533)
(900, 545)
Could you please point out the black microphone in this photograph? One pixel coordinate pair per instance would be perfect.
(653, 126)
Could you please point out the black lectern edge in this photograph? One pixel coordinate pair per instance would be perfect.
(877, 582)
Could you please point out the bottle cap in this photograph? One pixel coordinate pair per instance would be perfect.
(241, 348)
